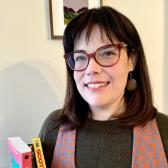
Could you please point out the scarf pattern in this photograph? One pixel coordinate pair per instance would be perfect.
(148, 151)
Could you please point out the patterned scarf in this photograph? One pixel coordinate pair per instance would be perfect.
(148, 151)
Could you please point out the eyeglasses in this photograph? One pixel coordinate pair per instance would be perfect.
(105, 56)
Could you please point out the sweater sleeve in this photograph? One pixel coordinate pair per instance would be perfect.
(48, 135)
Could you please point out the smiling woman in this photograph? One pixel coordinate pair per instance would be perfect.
(108, 114)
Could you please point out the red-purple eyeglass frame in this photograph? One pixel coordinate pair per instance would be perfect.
(90, 55)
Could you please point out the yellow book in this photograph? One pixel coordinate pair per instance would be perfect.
(39, 153)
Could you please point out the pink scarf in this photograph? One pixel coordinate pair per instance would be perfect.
(148, 151)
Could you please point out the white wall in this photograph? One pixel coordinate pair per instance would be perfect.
(32, 71)
(165, 78)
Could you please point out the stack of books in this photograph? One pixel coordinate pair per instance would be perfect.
(23, 155)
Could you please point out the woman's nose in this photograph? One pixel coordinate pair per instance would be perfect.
(93, 67)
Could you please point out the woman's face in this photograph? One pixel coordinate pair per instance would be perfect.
(99, 86)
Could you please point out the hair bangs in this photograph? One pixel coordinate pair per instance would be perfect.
(87, 23)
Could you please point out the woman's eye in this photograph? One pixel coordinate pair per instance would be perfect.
(108, 53)
(80, 58)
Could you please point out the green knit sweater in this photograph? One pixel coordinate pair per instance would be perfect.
(100, 144)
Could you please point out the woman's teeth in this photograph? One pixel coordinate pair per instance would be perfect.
(96, 85)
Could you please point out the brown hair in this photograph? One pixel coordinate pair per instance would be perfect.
(139, 103)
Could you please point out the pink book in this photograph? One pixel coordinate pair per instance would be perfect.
(20, 153)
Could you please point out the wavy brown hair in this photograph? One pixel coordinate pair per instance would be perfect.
(139, 103)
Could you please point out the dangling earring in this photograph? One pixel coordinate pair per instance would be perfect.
(131, 83)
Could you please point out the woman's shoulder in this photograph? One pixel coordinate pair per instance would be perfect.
(48, 135)
(162, 122)
(51, 123)
(52, 117)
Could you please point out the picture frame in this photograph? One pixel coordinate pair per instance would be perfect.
(57, 16)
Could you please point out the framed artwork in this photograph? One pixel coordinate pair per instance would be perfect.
(63, 11)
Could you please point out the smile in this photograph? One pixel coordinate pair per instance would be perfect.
(96, 85)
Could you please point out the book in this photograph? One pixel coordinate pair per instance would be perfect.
(34, 165)
(40, 161)
(20, 153)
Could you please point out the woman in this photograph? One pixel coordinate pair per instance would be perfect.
(108, 114)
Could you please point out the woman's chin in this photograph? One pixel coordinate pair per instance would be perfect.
(97, 104)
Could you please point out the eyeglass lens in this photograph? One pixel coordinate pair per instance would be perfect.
(104, 56)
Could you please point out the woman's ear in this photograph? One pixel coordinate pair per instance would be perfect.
(132, 60)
